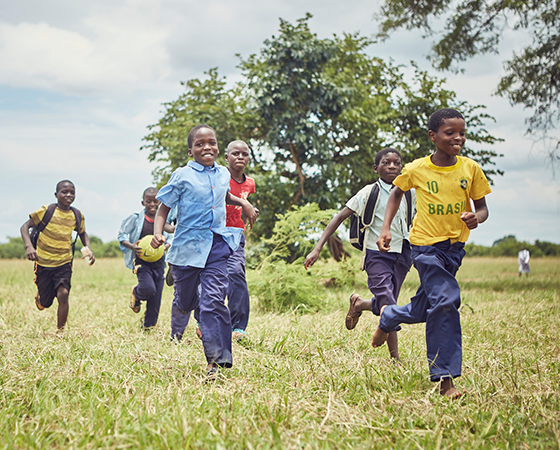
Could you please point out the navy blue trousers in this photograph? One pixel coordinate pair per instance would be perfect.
(149, 289)
(215, 321)
(437, 304)
(238, 293)
(386, 273)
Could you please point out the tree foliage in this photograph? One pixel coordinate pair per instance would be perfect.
(474, 27)
(314, 112)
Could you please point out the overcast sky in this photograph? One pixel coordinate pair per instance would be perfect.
(81, 81)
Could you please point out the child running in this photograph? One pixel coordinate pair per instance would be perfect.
(386, 271)
(201, 245)
(445, 183)
(53, 254)
(237, 156)
(150, 274)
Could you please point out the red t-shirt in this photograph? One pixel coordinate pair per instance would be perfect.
(241, 190)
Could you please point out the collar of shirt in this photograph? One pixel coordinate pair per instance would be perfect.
(199, 167)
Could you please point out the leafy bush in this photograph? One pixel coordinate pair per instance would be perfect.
(281, 287)
(13, 249)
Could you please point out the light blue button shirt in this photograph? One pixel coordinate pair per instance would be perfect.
(130, 231)
(199, 193)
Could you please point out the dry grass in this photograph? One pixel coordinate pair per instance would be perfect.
(302, 381)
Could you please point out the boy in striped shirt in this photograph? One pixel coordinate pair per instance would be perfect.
(53, 255)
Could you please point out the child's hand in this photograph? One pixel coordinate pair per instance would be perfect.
(311, 259)
(470, 219)
(137, 250)
(87, 254)
(157, 240)
(31, 253)
(384, 241)
(251, 213)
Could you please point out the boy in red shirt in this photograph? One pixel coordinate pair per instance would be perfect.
(237, 156)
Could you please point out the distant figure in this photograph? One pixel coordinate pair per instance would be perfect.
(523, 258)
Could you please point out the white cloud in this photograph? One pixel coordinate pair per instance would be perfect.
(121, 55)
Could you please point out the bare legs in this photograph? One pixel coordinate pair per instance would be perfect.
(62, 315)
(359, 305)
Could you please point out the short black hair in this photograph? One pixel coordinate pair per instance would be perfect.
(382, 153)
(190, 137)
(149, 189)
(437, 118)
(237, 141)
(63, 181)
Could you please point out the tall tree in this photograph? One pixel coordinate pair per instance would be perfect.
(474, 27)
(315, 112)
(209, 101)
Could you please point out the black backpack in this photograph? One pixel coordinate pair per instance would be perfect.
(34, 235)
(358, 224)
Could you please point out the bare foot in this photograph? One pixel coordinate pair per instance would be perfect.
(448, 389)
(379, 336)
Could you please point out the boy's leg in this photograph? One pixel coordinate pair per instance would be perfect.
(46, 291)
(185, 297)
(61, 278)
(238, 293)
(215, 321)
(437, 266)
(379, 268)
(153, 303)
(62, 295)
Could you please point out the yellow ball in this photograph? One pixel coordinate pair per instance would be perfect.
(149, 253)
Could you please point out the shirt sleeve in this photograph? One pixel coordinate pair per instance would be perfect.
(127, 226)
(38, 215)
(358, 202)
(83, 224)
(480, 186)
(170, 193)
(404, 180)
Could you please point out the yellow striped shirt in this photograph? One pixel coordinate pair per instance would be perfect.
(54, 246)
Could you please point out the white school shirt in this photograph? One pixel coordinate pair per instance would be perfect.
(399, 228)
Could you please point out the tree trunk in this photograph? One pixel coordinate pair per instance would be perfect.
(336, 249)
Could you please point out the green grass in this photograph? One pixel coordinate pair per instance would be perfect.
(302, 381)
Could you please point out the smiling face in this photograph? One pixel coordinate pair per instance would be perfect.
(150, 202)
(237, 156)
(389, 167)
(449, 139)
(65, 194)
(204, 148)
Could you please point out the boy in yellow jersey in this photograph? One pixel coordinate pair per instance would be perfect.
(445, 184)
(53, 256)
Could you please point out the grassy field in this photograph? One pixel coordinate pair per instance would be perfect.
(301, 381)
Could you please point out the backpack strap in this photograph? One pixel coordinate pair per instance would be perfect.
(408, 198)
(368, 216)
(42, 224)
(78, 216)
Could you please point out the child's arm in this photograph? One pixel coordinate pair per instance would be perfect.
(329, 230)
(384, 239)
(159, 222)
(85, 241)
(249, 211)
(472, 219)
(24, 230)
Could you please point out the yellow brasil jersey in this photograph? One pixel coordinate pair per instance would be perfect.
(54, 246)
(442, 194)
